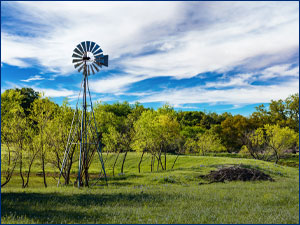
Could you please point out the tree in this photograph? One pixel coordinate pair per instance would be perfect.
(190, 145)
(191, 131)
(233, 130)
(281, 112)
(57, 131)
(42, 113)
(145, 135)
(271, 141)
(209, 142)
(292, 111)
(156, 133)
(280, 139)
(113, 143)
(256, 144)
(16, 133)
(169, 134)
(29, 95)
(10, 108)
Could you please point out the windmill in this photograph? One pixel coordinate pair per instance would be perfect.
(87, 57)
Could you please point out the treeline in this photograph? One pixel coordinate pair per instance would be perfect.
(34, 128)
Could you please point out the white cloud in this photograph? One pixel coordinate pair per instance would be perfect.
(69, 23)
(116, 84)
(49, 92)
(280, 71)
(234, 81)
(182, 39)
(236, 96)
(190, 37)
(36, 77)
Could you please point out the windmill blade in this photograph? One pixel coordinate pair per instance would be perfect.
(78, 52)
(76, 60)
(96, 68)
(80, 68)
(98, 52)
(80, 48)
(88, 70)
(92, 69)
(88, 44)
(92, 46)
(78, 64)
(84, 46)
(76, 56)
(95, 48)
(98, 55)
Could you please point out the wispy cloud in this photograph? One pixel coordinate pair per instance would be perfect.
(233, 81)
(280, 71)
(49, 92)
(116, 84)
(216, 39)
(235, 96)
(258, 41)
(35, 77)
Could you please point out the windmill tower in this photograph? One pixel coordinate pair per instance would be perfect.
(87, 57)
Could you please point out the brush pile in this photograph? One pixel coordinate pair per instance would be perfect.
(236, 173)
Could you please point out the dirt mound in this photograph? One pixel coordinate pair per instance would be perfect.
(236, 173)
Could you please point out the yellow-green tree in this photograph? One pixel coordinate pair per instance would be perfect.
(280, 139)
(43, 111)
(209, 142)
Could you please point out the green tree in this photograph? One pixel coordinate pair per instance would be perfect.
(145, 135)
(209, 142)
(16, 134)
(280, 139)
(10, 109)
(29, 95)
(233, 130)
(43, 111)
(271, 141)
(57, 131)
(281, 112)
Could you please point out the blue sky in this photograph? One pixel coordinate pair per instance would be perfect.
(212, 56)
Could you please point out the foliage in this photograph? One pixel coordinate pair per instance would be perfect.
(209, 142)
(280, 139)
(281, 112)
(34, 128)
(232, 132)
(271, 141)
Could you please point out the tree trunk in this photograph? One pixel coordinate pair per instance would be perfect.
(175, 160)
(159, 159)
(151, 162)
(123, 162)
(139, 166)
(21, 173)
(165, 159)
(9, 173)
(43, 168)
(115, 164)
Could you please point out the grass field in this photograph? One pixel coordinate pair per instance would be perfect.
(172, 196)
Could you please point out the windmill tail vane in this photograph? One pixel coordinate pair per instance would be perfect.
(83, 136)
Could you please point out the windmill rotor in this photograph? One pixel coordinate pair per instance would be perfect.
(90, 55)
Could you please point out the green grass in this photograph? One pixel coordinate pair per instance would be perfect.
(172, 196)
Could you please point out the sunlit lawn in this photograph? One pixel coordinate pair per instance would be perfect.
(172, 196)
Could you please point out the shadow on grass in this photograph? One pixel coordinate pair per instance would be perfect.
(60, 208)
